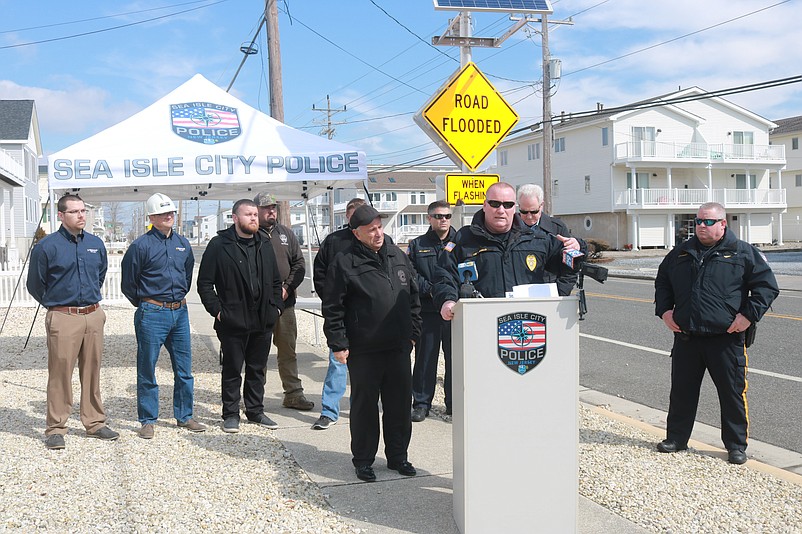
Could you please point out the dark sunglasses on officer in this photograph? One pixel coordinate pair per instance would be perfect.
(706, 222)
(440, 215)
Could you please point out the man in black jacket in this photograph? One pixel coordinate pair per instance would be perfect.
(424, 251)
(239, 286)
(507, 253)
(708, 291)
(291, 267)
(530, 207)
(371, 317)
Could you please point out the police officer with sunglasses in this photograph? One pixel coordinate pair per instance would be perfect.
(709, 290)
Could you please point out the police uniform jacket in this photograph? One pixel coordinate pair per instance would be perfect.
(519, 257)
(706, 289)
(554, 226)
(158, 267)
(424, 251)
(290, 259)
(371, 300)
(224, 284)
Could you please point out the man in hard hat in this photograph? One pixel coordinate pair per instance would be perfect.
(156, 276)
(291, 268)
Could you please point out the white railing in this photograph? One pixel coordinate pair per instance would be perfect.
(673, 151)
(11, 168)
(667, 198)
(386, 205)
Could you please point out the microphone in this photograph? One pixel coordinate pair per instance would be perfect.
(468, 273)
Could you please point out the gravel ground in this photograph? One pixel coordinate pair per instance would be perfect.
(248, 481)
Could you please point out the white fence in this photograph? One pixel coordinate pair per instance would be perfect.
(666, 198)
(10, 279)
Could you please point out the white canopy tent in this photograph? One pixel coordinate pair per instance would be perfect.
(201, 142)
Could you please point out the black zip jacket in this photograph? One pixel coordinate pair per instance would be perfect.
(289, 258)
(424, 251)
(519, 257)
(707, 289)
(371, 300)
(224, 284)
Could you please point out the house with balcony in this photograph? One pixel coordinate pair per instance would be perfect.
(788, 134)
(20, 147)
(636, 177)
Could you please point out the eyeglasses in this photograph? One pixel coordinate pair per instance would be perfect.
(508, 204)
(706, 222)
(440, 215)
(75, 212)
(530, 212)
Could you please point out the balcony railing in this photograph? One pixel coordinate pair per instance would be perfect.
(702, 152)
(9, 167)
(668, 198)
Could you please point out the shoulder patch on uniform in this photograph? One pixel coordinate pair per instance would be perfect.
(449, 246)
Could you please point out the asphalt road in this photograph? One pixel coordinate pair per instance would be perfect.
(622, 311)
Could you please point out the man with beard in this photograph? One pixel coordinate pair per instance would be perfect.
(239, 286)
(291, 267)
(371, 318)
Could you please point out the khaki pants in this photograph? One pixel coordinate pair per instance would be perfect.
(285, 332)
(71, 339)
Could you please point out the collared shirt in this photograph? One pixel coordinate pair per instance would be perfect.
(158, 267)
(66, 270)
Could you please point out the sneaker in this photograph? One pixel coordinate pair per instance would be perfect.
(147, 430)
(104, 433)
(192, 425)
(419, 414)
(231, 425)
(55, 442)
(298, 402)
(264, 421)
(323, 423)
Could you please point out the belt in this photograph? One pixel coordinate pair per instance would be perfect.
(168, 305)
(75, 310)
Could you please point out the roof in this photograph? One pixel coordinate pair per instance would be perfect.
(15, 119)
(789, 125)
(406, 179)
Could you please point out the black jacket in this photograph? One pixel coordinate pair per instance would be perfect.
(224, 284)
(519, 257)
(371, 300)
(289, 258)
(424, 251)
(707, 289)
(567, 281)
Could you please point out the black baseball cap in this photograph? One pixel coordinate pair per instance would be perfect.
(364, 214)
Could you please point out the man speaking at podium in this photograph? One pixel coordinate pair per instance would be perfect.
(505, 252)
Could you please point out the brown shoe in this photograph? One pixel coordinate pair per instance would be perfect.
(192, 425)
(146, 432)
(298, 402)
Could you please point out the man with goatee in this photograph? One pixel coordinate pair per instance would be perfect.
(239, 286)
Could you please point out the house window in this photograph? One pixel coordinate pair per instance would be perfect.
(642, 179)
(743, 144)
(502, 156)
(390, 197)
(533, 151)
(643, 140)
(375, 197)
(799, 180)
(555, 188)
(794, 143)
(559, 144)
(741, 183)
(605, 136)
(587, 183)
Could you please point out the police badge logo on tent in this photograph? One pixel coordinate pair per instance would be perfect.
(204, 122)
(521, 341)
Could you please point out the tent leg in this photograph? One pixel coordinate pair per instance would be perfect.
(310, 269)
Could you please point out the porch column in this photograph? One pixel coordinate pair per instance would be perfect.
(3, 241)
(633, 231)
(749, 228)
(780, 214)
(633, 199)
(710, 183)
(671, 199)
(670, 242)
(11, 242)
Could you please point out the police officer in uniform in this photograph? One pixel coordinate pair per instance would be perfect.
(371, 317)
(424, 251)
(507, 253)
(708, 291)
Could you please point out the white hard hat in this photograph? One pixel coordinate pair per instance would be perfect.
(159, 203)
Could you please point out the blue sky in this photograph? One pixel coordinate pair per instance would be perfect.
(377, 62)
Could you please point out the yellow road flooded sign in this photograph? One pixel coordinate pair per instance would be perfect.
(467, 117)
(469, 188)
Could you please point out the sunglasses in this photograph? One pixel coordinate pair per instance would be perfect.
(531, 212)
(440, 215)
(508, 204)
(706, 222)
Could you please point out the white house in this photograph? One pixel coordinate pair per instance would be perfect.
(788, 133)
(20, 147)
(635, 178)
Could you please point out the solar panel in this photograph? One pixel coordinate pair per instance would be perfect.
(511, 6)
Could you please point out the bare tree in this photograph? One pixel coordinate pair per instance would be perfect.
(112, 221)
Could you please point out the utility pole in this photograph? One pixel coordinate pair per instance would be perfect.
(547, 126)
(329, 132)
(276, 91)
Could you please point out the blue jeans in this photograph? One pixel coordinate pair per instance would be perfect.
(156, 326)
(334, 388)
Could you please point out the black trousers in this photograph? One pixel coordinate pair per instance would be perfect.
(381, 375)
(725, 358)
(434, 331)
(250, 350)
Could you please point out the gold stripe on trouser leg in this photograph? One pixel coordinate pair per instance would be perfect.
(743, 393)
